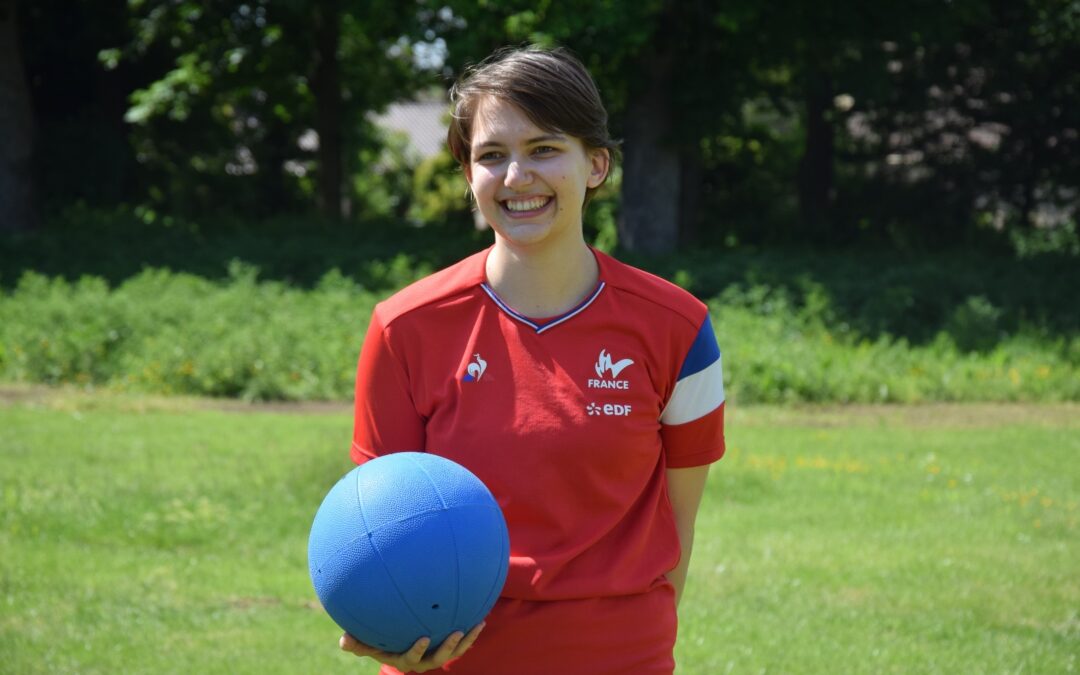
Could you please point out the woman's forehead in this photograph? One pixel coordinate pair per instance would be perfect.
(499, 120)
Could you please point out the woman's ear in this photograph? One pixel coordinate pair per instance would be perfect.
(600, 160)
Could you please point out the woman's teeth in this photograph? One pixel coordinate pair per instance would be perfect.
(525, 204)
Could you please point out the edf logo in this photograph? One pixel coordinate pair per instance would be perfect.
(614, 409)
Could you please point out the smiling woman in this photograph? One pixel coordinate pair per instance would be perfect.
(586, 394)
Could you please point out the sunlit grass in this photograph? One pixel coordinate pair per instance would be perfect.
(157, 535)
(934, 539)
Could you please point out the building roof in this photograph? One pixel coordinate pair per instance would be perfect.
(422, 121)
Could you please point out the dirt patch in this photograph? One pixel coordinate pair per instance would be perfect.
(284, 407)
(11, 394)
(89, 398)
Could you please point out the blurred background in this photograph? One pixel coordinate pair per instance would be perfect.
(899, 174)
(904, 124)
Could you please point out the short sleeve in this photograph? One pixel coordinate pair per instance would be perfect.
(385, 418)
(692, 423)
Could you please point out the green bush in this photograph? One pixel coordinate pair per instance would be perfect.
(784, 356)
(180, 334)
(177, 333)
(975, 325)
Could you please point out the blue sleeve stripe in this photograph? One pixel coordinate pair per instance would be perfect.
(703, 352)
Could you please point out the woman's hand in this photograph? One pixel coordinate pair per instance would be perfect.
(414, 661)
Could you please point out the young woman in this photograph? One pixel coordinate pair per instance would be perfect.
(586, 394)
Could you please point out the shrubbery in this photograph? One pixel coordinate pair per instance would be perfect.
(787, 355)
(864, 334)
(176, 333)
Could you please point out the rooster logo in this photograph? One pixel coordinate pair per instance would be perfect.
(475, 370)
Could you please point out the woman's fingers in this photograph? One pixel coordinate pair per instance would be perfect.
(415, 655)
(413, 660)
(350, 644)
(446, 650)
(467, 641)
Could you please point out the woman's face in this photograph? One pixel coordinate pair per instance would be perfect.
(530, 183)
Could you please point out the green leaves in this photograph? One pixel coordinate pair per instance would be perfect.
(173, 95)
(221, 128)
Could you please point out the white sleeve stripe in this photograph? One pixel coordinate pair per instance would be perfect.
(695, 396)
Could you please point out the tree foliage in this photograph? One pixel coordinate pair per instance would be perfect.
(236, 113)
(907, 123)
(16, 196)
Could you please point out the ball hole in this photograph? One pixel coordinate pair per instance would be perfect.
(435, 606)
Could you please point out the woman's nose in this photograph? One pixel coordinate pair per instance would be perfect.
(517, 173)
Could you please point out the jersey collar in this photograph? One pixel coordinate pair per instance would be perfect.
(542, 325)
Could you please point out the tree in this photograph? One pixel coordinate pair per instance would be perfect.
(807, 55)
(326, 90)
(1011, 85)
(251, 81)
(651, 175)
(972, 122)
(16, 128)
(686, 84)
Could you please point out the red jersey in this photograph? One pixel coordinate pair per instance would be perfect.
(571, 422)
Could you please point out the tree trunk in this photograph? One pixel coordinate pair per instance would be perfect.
(689, 196)
(326, 87)
(650, 190)
(816, 166)
(16, 129)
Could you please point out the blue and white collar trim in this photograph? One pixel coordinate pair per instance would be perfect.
(540, 328)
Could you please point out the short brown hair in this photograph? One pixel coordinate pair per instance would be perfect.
(551, 86)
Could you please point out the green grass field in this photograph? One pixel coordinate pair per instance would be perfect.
(164, 535)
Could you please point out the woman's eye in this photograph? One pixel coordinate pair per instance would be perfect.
(544, 150)
(489, 156)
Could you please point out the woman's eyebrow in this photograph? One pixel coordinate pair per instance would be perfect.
(546, 138)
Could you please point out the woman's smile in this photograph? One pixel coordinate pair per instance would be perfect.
(526, 207)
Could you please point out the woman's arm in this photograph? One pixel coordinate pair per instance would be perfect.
(685, 487)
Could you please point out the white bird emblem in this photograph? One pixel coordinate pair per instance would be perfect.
(604, 363)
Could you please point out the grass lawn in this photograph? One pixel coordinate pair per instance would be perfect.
(162, 535)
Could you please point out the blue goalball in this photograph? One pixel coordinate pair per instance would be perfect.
(405, 546)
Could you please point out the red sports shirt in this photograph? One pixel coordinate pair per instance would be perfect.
(571, 422)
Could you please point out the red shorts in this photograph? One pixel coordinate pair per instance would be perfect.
(600, 636)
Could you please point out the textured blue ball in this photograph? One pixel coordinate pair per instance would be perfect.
(405, 546)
